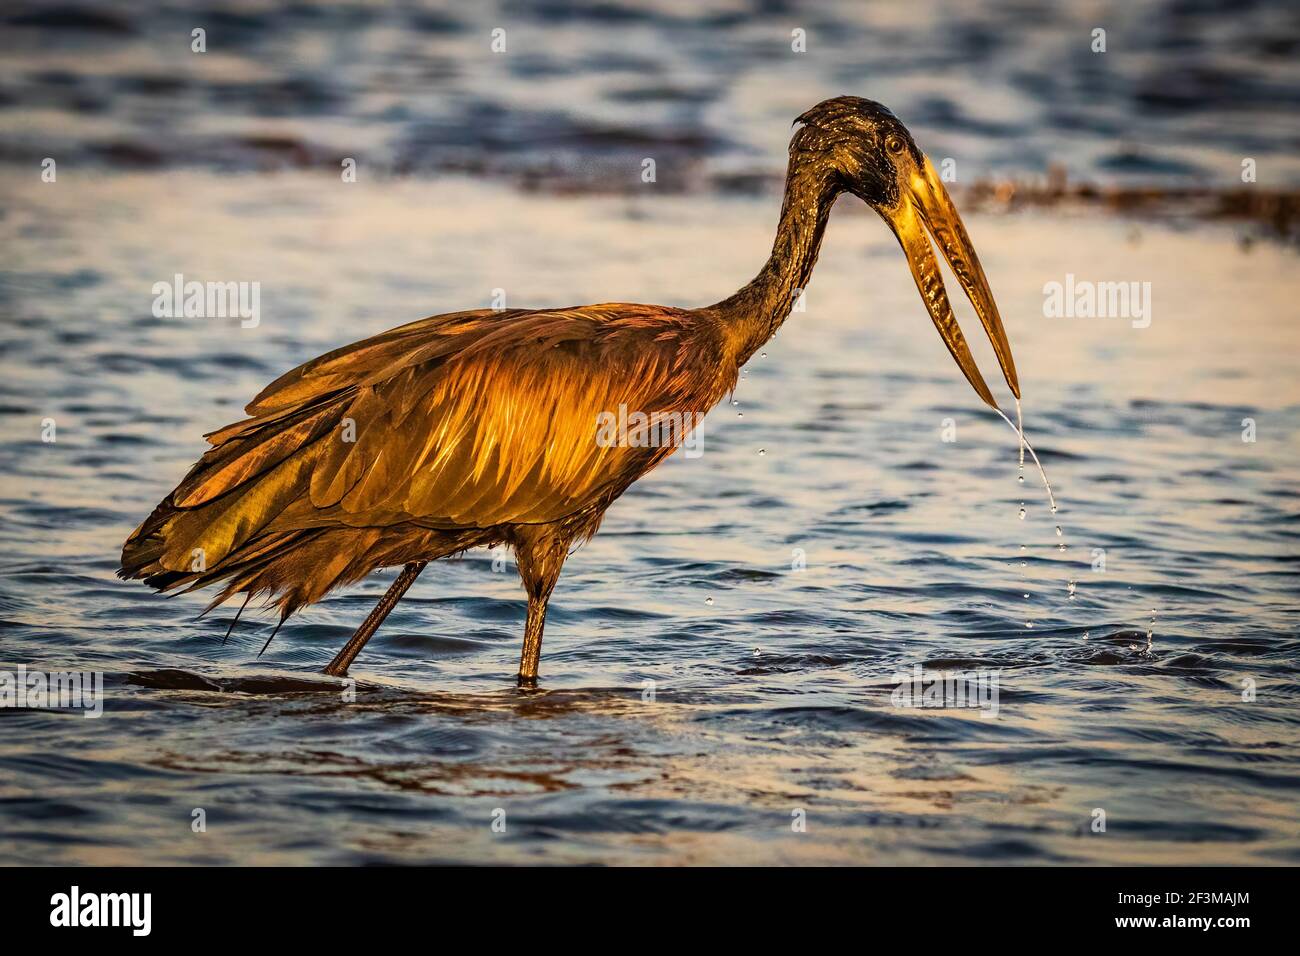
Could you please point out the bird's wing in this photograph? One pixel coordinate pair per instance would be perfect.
(468, 420)
(504, 428)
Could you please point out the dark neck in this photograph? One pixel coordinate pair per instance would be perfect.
(753, 314)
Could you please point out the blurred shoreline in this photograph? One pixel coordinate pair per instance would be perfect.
(579, 97)
(1271, 213)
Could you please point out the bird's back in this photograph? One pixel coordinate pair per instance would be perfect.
(431, 437)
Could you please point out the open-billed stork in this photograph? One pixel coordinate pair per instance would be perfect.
(480, 428)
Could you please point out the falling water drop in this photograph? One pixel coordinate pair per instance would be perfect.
(762, 451)
(1071, 585)
(708, 600)
(762, 355)
(1025, 445)
(740, 414)
(1020, 428)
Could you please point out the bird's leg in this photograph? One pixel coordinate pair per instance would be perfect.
(532, 653)
(344, 658)
(540, 553)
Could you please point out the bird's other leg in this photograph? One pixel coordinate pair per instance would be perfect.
(344, 658)
(540, 553)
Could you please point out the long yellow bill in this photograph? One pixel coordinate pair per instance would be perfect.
(925, 202)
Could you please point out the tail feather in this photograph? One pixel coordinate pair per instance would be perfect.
(240, 460)
(245, 514)
(213, 526)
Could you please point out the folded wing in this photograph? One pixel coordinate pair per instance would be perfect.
(461, 421)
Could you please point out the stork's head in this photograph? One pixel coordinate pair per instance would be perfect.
(873, 156)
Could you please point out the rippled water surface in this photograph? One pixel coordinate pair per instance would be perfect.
(721, 657)
(587, 88)
(772, 686)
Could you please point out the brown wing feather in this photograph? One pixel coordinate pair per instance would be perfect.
(470, 420)
(384, 354)
(504, 431)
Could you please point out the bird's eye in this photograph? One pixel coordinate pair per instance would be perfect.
(894, 144)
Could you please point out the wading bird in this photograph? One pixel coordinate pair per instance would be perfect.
(479, 428)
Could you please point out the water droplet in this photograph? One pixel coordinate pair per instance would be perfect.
(1023, 548)
(1021, 479)
(1060, 547)
(740, 414)
(757, 652)
(1085, 634)
(1053, 508)
(1059, 532)
(1019, 427)
(1024, 445)
(708, 600)
(1022, 512)
(1029, 623)
(1026, 594)
(762, 451)
(734, 402)
(762, 355)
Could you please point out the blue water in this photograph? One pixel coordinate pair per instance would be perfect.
(583, 91)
